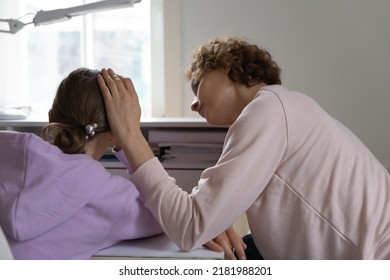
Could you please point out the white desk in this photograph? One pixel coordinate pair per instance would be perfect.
(156, 247)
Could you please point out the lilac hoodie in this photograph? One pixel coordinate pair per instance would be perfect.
(60, 206)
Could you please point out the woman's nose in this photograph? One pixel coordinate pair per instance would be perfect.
(195, 104)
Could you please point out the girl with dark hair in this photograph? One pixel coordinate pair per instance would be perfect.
(56, 200)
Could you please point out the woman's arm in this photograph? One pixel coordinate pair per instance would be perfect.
(252, 152)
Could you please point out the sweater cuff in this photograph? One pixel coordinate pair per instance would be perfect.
(149, 176)
(122, 157)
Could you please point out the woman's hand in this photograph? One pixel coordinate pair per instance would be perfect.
(122, 105)
(124, 114)
(229, 242)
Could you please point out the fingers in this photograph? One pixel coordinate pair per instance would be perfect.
(104, 89)
(223, 241)
(237, 243)
(240, 250)
(116, 78)
(115, 83)
(229, 254)
(121, 82)
(214, 246)
(128, 83)
(229, 242)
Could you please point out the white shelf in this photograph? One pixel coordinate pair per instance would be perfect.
(39, 120)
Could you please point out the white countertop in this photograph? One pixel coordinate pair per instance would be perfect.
(156, 247)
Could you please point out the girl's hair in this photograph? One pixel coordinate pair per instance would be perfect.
(248, 64)
(78, 103)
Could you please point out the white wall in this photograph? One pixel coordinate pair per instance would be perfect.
(336, 51)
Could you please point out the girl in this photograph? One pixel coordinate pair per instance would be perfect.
(56, 200)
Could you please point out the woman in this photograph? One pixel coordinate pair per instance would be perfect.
(56, 200)
(308, 185)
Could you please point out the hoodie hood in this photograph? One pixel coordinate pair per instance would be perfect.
(31, 171)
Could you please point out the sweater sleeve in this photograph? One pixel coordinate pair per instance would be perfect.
(122, 157)
(136, 222)
(254, 147)
(122, 212)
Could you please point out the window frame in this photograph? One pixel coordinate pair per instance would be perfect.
(165, 99)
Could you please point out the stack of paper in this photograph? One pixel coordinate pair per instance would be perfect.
(189, 149)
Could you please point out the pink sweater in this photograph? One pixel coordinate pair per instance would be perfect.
(59, 206)
(310, 188)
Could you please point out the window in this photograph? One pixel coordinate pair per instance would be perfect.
(120, 39)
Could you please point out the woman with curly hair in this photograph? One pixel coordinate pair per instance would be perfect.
(309, 187)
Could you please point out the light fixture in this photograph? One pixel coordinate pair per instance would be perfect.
(53, 16)
(58, 15)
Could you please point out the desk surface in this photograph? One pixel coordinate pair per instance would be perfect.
(156, 247)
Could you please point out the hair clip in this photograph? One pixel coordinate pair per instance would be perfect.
(90, 129)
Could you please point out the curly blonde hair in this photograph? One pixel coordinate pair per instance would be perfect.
(248, 64)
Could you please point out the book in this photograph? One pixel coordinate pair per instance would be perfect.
(190, 155)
